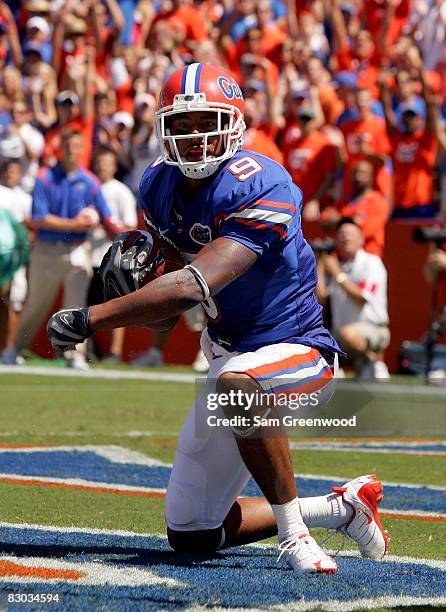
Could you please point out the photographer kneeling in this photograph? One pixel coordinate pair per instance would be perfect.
(356, 283)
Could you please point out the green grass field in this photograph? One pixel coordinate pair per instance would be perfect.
(146, 416)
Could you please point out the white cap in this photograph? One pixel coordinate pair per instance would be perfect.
(67, 96)
(145, 98)
(124, 118)
(40, 24)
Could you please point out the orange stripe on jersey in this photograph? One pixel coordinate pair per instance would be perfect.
(283, 364)
(275, 205)
(275, 228)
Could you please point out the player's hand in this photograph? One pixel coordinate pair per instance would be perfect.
(86, 219)
(69, 327)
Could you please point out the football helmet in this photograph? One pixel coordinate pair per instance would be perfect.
(200, 87)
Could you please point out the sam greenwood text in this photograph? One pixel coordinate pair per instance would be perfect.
(286, 421)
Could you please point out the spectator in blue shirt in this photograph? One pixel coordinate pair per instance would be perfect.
(67, 204)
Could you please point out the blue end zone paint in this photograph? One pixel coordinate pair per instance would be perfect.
(208, 582)
(88, 465)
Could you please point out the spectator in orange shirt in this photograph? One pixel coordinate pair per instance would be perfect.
(74, 112)
(195, 26)
(312, 160)
(367, 207)
(391, 16)
(255, 138)
(247, 57)
(319, 77)
(414, 152)
(366, 138)
(272, 36)
(360, 55)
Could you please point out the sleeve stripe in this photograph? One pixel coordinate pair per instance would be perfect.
(263, 215)
(257, 225)
(276, 205)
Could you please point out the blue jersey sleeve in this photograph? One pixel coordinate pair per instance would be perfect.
(265, 215)
(144, 198)
(40, 204)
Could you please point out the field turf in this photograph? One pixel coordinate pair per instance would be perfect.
(44, 487)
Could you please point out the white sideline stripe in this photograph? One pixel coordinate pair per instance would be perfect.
(378, 444)
(376, 387)
(80, 434)
(413, 513)
(93, 373)
(73, 529)
(385, 482)
(191, 378)
(339, 447)
(91, 484)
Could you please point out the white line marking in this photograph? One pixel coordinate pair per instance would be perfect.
(92, 530)
(80, 434)
(105, 374)
(385, 482)
(413, 513)
(388, 388)
(341, 447)
(92, 484)
(88, 484)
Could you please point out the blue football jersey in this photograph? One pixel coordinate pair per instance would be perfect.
(252, 200)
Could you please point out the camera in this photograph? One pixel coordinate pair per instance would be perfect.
(429, 234)
(323, 246)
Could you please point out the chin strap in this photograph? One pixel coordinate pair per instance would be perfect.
(200, 280)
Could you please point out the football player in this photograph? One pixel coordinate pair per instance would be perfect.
(236, 215)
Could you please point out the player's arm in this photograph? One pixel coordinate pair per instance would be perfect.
(217, 265)
(386, 99)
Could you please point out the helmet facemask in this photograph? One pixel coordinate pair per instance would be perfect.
(230, 127)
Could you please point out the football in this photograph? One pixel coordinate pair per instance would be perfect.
(134, 259)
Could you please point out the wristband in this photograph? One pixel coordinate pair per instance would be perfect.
(200, 280)
(341, 278)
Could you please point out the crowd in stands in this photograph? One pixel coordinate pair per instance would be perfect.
(349, 95)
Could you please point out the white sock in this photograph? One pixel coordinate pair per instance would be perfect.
(289, 520)
(329, 511)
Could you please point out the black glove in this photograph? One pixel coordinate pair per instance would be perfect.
(69, 327)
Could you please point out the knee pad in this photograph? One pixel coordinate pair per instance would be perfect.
(196, 542)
